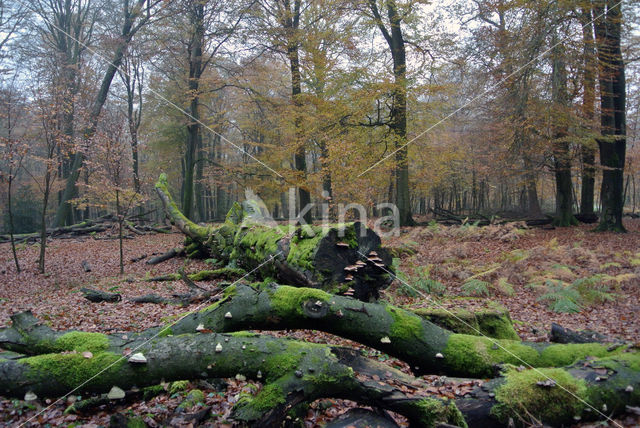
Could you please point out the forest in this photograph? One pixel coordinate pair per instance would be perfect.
(340, 213)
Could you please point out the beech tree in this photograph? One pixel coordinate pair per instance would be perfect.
(134, 17)
(613, 124)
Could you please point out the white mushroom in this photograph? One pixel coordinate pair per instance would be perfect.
(138, 358)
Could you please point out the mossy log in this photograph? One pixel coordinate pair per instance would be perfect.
(294, 372)
(595, 381)
(337, 258)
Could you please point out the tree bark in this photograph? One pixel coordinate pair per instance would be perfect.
(561, 153)
(398, 113)
(588, 151)
(291, 24)
(335, 257)
(196, 68)
(612, 143)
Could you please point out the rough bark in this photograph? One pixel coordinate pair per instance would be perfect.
(334, 257)
(398, 113)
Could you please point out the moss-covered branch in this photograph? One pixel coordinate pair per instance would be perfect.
(331, 257)
(427, 347)
(294, 372)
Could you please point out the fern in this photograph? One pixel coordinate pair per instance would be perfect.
(561, 298)
(505, 287)
(476, 288)
(425, 283)
(593, 289)
(419, 284)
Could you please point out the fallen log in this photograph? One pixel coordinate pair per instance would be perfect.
(294, 372)
(174, 252)
(426, 347)
(97, 296)
(561, 334)
(493, 322)
(335, 258)
(203, 275)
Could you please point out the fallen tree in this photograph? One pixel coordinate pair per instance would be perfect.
(335, 258)
(569, 381)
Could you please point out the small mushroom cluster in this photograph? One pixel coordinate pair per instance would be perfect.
(372, 258)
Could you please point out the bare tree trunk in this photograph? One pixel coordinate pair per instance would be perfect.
(588, 151)
(10, 211)
(129, 28)
(612, 144)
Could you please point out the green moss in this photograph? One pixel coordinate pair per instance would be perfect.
(235, 214)
(166, 331)
(476, 356)
(287, 299)
(302, 249)
(268, 398)
(630, 359)
(177, 386)
(194, 397)
(244, 334)
(261, 242)
(406, 325)
(282, 362)
(498, 326)
(434, 411)
(72, 370)
(81, 341)
(520, 396)
(136, 422)
(566, 354)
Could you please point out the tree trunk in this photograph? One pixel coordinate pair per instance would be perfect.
(10, 211)
(588, 151)
(294, 372)
(128, 31)
(291, 22)
(196, 68)
(336, 258)
(561, 153)
(612, 144)
(398, 113)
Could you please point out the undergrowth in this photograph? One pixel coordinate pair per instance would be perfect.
(581, 293)
(419, 282)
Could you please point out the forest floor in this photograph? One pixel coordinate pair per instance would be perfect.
(540, 275)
